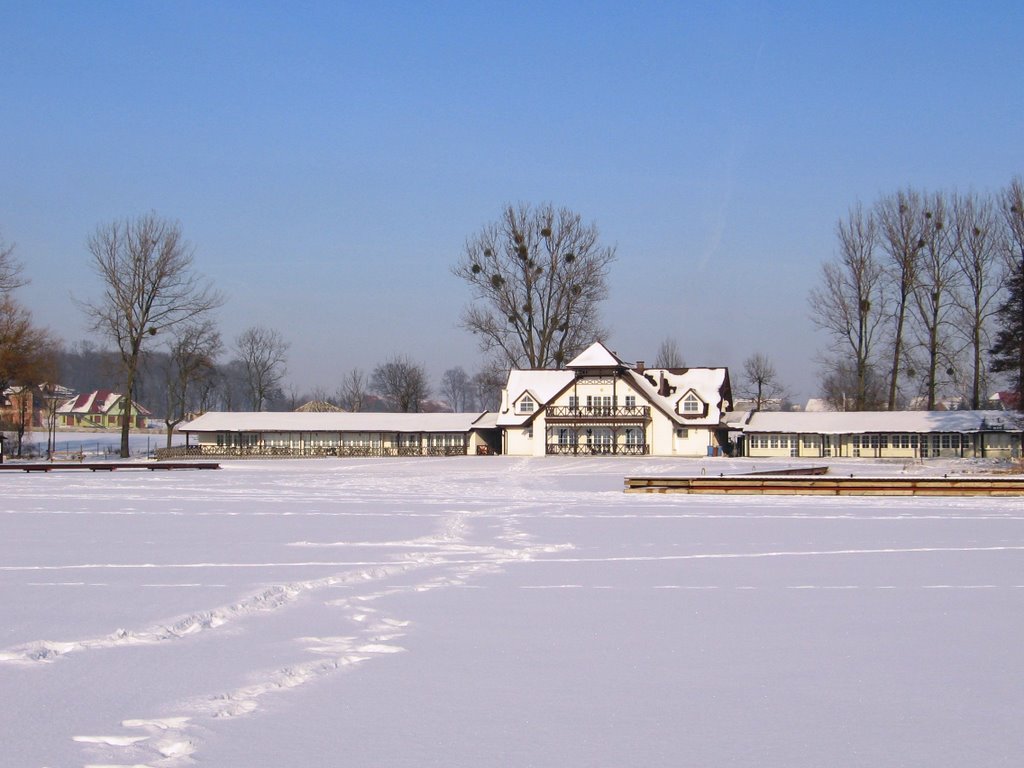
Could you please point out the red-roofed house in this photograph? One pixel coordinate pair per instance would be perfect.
(103, 409)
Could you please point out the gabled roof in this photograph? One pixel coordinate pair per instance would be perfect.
(542, 386)
(664, 387)
(98, 401)
(597, 355)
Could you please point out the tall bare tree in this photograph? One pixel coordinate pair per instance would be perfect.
(849, 301)
(538, 277)
(901, 220)
(27, 352)
(402, 382)
(840, 379)
(10, 269)
(150, 287)
(28, 359)
(668, 355)
(932, 305)
(352, 393)
(982, 276)
(488, 383)
(263, 352)
(190, 365)
(457, 389)
(760, 382)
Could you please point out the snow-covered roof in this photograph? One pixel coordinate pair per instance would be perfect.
(597, 355)
(706, 383)
(542, 386)
(662, 387)
(858, 422)
(99, 401)
(222, 421)
(818, 405)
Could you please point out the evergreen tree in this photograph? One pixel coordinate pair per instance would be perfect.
(1008, 350)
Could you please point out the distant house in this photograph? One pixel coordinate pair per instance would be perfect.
(100, 409)
(883, 434)
(26, 407)
(20, 406)
(600, 405)
(1006, 401)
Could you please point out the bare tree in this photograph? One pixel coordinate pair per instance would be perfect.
(760, 382)
(352, 393)
(190, 365)
(263, 352)
(10, 269)
(27, 352)
(457, 389)
(146, 267)
(900, 222)
(840, 379)
(28, 359)
(848, 303)
(668, 355)
(488, 383)
(933, 295)
(983, 274)
(538, 277)
(403, 382)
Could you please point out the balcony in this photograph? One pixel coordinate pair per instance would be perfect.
(597, 449)
(598, 413)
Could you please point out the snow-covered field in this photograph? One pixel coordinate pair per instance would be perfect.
(496, 611)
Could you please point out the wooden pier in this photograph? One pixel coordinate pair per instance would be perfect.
(808, 485)
(107, 466)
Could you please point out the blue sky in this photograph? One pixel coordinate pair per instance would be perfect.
(328, 160)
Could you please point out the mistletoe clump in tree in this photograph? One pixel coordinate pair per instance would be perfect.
(538, 277)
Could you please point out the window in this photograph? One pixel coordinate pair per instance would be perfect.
(631, 401)
(634, 437)
(682, 432)
(574, 402)
(526, 404)
(692, 404)
(566, 437)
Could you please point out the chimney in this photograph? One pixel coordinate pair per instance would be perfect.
(639, 366)
(662, 385)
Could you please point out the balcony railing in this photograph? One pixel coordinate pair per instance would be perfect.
(307, 451)
(599, 411)
(594, 449)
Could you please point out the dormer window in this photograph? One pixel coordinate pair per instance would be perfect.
(526, 405)
(691, 404)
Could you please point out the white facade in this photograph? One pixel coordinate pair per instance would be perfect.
(342, 434)
(883, 434)
(600, 405)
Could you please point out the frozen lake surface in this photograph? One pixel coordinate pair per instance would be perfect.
(493, 611)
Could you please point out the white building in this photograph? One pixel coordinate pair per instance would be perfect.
(342, 434)
(883, 434)
(602, 405)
